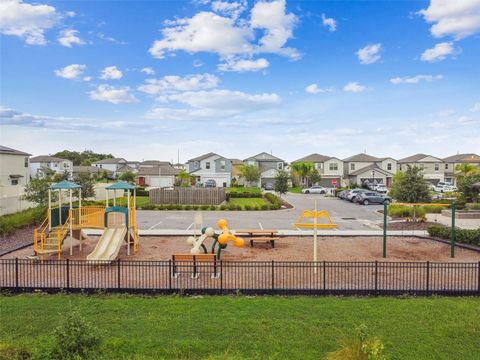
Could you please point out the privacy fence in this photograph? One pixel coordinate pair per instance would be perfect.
(259, 277)
(188, 196)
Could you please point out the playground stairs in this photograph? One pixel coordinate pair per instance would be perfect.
(49, 242)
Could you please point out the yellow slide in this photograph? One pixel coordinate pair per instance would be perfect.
(109, 244)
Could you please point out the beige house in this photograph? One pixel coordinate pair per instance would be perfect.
(433, 168)
(40, 163)
(367, 169)
(329, 167)
(451, 163)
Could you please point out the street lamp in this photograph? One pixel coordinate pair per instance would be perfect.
(373, 175)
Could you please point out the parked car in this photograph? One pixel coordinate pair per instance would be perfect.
(343, 194)
(442, 187)
(315, 189)
(373, 197)
(355, 198)
(381, 188)
(210, 183)
(352, 193)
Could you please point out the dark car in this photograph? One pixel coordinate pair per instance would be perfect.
(373, 197)
(210, 183)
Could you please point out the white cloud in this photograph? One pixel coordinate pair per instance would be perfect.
(369, 54)
(197, 63)
(465, 120)
(70, 14)
(446, 113)
(354, 87)
(173, 83)
(111, 94)
(72, 72)
(69, 37)
(27, 21)
(243, 65)
(458, 18)
(439, 52)
(231, 9)
(148, 70)
(110, 39)
(329, 22)
(111, 72)
(314, 89)
(415, 79)
(475, 107)
(210, 32)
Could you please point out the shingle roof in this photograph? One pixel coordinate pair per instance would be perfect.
(90, 169)
(263, 156)
(316, 158)
(125, 168)
(154, 162)
(204, 156)
(110, 161)
(158, 170)
(369, 168)
(362, 158)
(10, 151)
(415, 158)
(46, 158)
(463, 158)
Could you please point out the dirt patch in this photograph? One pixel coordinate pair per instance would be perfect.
(331, 248)
(409, 225)
(18, 239)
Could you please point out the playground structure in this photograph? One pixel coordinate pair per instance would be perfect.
(220, 241)
(315, 215)
(62, 222)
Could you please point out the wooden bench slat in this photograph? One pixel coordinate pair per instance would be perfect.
(192, 257)
(265, 238)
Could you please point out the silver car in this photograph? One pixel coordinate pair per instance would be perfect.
(315, 189)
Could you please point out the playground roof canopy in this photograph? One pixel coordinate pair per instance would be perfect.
(64, 185)
(121, 185)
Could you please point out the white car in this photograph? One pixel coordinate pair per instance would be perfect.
(381, 188)
(315, 189)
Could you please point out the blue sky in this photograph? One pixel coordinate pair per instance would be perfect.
(144, 79)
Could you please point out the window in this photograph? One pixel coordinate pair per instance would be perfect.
(352, 166)
(446, 166)
(207, 165)
(437, 167)
(14, 181)
(25, 162)
(66, 165)
(222, 165)
(319, 166)
(333, 166)
(279, 166)
(400, 167)
(196, 164)
(389, 166)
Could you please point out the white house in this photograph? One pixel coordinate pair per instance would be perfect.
(211, 166)
(14, 167)
(115, 165)
(47, 162)
(433, 168)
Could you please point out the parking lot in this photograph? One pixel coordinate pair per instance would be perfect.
(346, 215)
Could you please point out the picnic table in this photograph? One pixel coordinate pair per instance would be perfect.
(268, 236)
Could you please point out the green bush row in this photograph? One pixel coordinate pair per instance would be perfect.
(143, 193)
(273, 200)
(232, 195)
(473, 206)
(12, 222)
(408, 211)
(466, 236)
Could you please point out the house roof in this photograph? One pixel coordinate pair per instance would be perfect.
(110, 161)
(362, 157)
(415, 158)
(90, 169)
(154, 162)
(370, 168)
(125, 168)
(204, 156)
(315, 158)
(46, 159)
(158, 170)
(463, 158)
(10, 151)
(236, 161)
(263, 156)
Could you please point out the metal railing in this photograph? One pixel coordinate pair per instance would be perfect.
(88, 216)
(258, 277)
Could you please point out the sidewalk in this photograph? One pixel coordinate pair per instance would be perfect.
(461, 223)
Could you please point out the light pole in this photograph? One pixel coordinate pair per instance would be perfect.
(373, 175)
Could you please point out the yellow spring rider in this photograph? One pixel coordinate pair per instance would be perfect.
(222, 239)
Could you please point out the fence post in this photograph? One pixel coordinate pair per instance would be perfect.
(68, 274)
(478, 277)
(428, 277)
(376, 275)
(273, 275)
(169, 274)
(385, 224)
(221, 275)
(16, 273)
(453, 234)
(324, 276)
(118, 275)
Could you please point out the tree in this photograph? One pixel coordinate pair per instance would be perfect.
(281, 182)
(128, 176)
(410, 186)
(251, 173)
(82, 158)
(183, 178)
(465, 187)
(37, 190)
(303, 169)
(313, 177)
(57, 177)
(87, 183)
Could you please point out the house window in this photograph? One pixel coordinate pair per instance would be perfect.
(196, 164)
(389, 166)
(352, 166)
(14, 181)
(207, 165)
(65, 165)
(446, 166)
(333, 166)
(280, 166)
(400, 167)
(319, 166)
(222, 165)
(437, 167)
(25, 162)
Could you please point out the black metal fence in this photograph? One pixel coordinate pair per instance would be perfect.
(258, 277)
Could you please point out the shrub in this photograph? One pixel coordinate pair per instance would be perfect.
(213, 207)
(223, 207)
(265, 207)
(247, 207)
(231, 207)
(187, 207)
(475, 206)
(8, 352)
(142, 192)
(149, 207)
(274, 200)
(256, 208)
(465, 236)
(171, 207)
(243, 195)
(205, 207)
(12, 222)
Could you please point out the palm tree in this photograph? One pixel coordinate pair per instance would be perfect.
(303, 169)
(183, 177)
(466, 169)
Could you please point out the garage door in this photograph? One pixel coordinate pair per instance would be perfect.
(327, 182)
(161, 181)
(220, 181)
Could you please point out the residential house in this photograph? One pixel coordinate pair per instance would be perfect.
(112, 164)
(152, 163)
(237, 165)
(433, 167)
(157, 176)
(211, 166)
(269, 166)
(14, 167)
(39, 164)
(92, 170)
(367, 169)
(330, 168)
(133, 164)
(451, 163)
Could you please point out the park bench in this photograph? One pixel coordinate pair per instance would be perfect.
(195, 262)
(259, 235)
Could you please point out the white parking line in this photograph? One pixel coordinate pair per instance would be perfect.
(260, 224)
(154, 226)
(188, 228)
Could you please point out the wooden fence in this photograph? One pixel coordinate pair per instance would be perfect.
(188, 196)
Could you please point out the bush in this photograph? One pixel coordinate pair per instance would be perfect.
(223, 207)
(475, 206)
(213, 207)
(405, 211)
(204, 207)
(243, 195)
(149, 207)
(247, 207)
(273, 199)
(187, 207)
(256, 208)
(465, 236)
(142, 192)
(12, 222)
(265, 207)
(8, 352)
(171, 207)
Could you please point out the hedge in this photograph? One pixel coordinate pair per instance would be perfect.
(407, 211)
(465, 236)
(276, 202)
(12, 222)
(232, 195)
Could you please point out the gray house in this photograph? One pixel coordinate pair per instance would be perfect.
(211, 166)
(269, 166)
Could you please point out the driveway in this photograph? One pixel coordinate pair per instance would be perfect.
(346, 215)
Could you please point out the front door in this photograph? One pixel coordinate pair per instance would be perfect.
(388, 182)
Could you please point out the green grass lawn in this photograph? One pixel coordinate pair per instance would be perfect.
(295, 190)
(254, 190)
(248, 201)
(237, 327)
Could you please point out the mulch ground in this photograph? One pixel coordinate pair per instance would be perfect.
(18, 239)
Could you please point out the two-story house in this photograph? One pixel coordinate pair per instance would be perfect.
(451, 162)
(330, 169)
(115, 165)
(367, 169)
(158, 176)
(40, 164)
(269, 166)
(14, 167)
(211, 166)
(433, 168)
